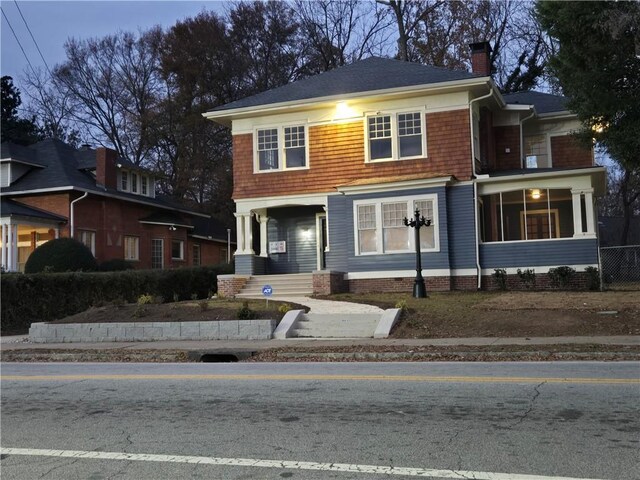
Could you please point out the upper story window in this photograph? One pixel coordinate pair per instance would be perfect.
(395, 136)
(134, 182)
(536, 152)
(281, 148)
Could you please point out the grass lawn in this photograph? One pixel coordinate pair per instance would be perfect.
(510, 314)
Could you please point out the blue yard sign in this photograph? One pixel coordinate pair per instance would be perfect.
(267, 291)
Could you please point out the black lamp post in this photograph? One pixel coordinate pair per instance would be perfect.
(419, 289)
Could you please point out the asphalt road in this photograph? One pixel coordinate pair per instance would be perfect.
(498, 421)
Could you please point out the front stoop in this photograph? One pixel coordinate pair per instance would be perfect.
(287, 285)
(298, 324)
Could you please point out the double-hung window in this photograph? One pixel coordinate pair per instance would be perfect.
(380, 229)
(282, 148)
(88, 238)
(131, 248)
(395, 136)
(124, 181)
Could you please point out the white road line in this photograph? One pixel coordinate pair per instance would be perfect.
(282, 464)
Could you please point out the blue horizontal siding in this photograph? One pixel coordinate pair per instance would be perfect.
(461, 227)
(543, 253)
(297, 227)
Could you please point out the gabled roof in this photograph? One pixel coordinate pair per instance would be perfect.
(66, 168)
(368, 75)
(543, 102)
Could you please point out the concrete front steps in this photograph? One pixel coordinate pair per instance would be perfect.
(349, 325)
(298, 324)
(288, 285)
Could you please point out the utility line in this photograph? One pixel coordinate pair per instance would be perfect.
(17, 40)
(32, 37)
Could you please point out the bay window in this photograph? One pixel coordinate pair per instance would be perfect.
(380, 228)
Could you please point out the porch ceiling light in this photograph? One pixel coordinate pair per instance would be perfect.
(536, 194)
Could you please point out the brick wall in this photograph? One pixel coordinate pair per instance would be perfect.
(337, 156)
(567, 152)
(106, 170)
(327, 282)
(579, 281)
(230, 285)
(399, 285)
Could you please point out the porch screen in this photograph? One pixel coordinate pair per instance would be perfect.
(528, 214)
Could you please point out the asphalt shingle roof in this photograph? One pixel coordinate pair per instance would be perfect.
(367, 75)
(543, 102)
(9, 208)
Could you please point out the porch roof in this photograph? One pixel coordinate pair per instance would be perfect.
(419, 178)
(13, 209)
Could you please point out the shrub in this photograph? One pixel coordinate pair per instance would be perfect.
(500, 274)
(28, 298)
(115, 265)
(245, 313)
(402, 305)
(527, 277)
(145, 299)
(561, 276)
(61, 255)
(593, 278)
(284, 308)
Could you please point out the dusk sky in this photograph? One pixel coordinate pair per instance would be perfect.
(53, 22)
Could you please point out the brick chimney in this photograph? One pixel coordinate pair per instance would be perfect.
(106, 169)
(481, 58)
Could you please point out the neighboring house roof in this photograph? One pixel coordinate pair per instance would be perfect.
(67, 168)
(211, 229)
(543, 102)
(9, 208)
(166, 218)
(368, 75)
(18, 153)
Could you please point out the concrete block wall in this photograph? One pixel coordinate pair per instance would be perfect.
(152, 331)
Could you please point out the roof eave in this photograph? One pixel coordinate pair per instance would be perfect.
(225, 117)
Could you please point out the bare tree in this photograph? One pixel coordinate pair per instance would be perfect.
(337, 33)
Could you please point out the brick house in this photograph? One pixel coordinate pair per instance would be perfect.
(326, 168)
(51, 190)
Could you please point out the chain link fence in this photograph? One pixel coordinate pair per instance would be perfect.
(620, 267)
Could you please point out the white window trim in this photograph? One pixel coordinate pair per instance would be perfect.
(193, 249)
(138, 176)
(181, 257)
(92, 247)
(161, 240)
(395, 144)
(137, 250)
(281, 150)
(380, 231)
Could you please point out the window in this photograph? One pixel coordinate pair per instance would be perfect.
(88, 238)
(288, 143)
(131, 248)
(124, 181)
(134, 183)
(157, 253)
(294, 147)
(196, 255)
(143, 185)
(527, 214)
(535, 151)
(177, 249)
(380, 225)
(395, 136)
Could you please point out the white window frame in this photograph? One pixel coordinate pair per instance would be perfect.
(144, 185)
(547, 141)
(134, 177)
(88, 242)
(160, 242)
(409, 200)
(282, 160)
(181, 242)
(136, 256)
(194, 247)
(125, 181)
(395, 137)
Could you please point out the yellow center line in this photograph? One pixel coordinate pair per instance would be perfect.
(383, 378)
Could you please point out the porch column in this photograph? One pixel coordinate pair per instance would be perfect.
(577, 214)
(10, 254)
(588, 203)
(56, 233)
(248, 238)
(239, 234)
(4, 246)
(261, 216)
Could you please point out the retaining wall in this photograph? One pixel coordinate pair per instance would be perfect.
(150, 331)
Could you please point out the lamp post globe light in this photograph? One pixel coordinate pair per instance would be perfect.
(419, 289)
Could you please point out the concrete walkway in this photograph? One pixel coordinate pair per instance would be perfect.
(329, 306)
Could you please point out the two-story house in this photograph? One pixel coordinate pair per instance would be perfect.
(326, 169)
(50, 190)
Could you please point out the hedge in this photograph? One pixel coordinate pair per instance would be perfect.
(41, 297)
